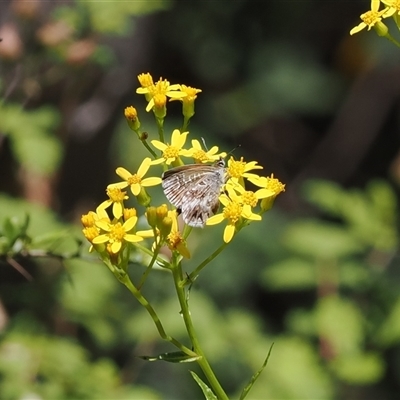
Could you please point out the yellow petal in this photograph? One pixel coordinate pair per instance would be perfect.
(133, 238)
(215, 219)
(358, 28)
(375, 5)
(144, 167)
(229, 231)
(130, 223)
(117, 210)
(159, 145)
(135, 188)
(153, 181)
(100, 239)
(116, 247)
(123, 173)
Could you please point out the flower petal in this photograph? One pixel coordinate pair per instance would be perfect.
(100, 239)
(153, 181)
(130, 223)
(133, 238)
(159, 145)
(358, 28)
(215, 219)
(123, 173)
(144, 167)
(229, 231)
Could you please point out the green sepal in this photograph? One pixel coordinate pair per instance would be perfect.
(208, 393)
(174, 357)
(247, 388)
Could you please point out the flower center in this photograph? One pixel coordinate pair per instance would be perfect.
(174, 239)
(370, 17)
(274, 185)
(171, 152)
(200, 155)
(236, 168)
(232, 212)
(90, 233)
(117, 233)
(116, 194)
(249, 198)
(133, 179)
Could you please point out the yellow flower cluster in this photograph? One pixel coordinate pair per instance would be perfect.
(112, 227)
(373, 18)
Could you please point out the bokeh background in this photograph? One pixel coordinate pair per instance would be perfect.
(318, 277)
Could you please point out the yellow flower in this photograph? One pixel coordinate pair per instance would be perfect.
(132, 118)
(90, 230)
(175, 240)
(201, 156)
(271, 184)
(116, 234)
(248, 198)
(188, 100)
(135, 181)
(371, 18)
(238, 169)
(116, 199)
(161, 87)
(171, 152)
(394, 9)
(145, 80)
(233, 211)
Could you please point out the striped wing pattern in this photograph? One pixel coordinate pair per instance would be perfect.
(194, 191)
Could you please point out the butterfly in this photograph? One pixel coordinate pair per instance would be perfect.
(194, 190)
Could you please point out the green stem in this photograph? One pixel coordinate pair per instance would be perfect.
(149, 267)
(149, 252)
(193, 275)
(185, 124)
(149, 148)
(160, 126)
(124, 279)
(390, 38)
(202, 361)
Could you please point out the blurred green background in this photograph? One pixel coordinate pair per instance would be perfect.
(319, 276)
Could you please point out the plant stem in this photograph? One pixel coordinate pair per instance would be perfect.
(193, 275)
(124, 279)
(160, 126)
(202, 361)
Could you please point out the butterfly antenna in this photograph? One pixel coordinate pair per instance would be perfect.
(204, 143)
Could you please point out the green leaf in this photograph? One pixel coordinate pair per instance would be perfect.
(39, 153)
(321, 240)
(208, 393)
(247, 388)
(359, 369)
(291, 274)
(174, 357)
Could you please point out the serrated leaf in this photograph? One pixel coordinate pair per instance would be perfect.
(247, 388)
(173, 357)
(208, 393)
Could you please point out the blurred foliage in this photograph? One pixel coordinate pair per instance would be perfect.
(323, 289)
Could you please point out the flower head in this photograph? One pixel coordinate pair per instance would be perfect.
(233, 211)
(161, 87)
(175, 241)
(188, 100)
(171, 152)
(116, 199)
(201, 156)
(135, 181)
(371, 18)
(116, 234)
(238, 169)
